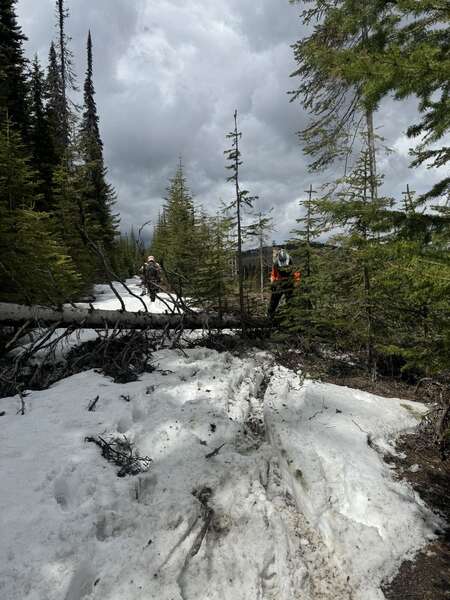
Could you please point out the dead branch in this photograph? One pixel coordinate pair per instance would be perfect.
(215, 452)
(92, 404)
(122, 453)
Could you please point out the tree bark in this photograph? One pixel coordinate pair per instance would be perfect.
(82, 318)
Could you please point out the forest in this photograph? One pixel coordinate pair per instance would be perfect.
(367, 305)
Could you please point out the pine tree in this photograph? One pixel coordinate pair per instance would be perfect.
(13, 66)
(99, 196)
(127, 256)
(44, 158)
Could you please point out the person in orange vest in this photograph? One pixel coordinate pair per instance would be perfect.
(283, 279)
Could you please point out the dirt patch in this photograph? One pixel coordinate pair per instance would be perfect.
(427, 577)
(348, 372)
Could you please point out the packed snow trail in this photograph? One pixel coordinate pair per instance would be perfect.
(261, 487)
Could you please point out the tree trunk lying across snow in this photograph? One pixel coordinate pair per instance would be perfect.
(17, 314)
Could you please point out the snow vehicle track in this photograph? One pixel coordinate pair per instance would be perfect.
(261, 488)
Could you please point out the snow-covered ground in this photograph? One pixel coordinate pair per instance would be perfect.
(106, 299)
(261, 486)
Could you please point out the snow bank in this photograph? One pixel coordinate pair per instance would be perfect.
(329, 439)
(244, 499)
(72, 529)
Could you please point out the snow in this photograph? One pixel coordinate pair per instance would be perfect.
(262, 485)
(329, 440)
(105, 298)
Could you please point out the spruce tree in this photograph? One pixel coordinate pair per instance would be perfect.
(73, 222)
(416, 285)
(98, 196)
(407, 54)
(13, 67)
(309, 229)
(66, 74)
(212, 280)
(44, 157)
(336, 103)
(34, 263)
(55, 104)
(339, 299)
(178, 249)
(159, 236)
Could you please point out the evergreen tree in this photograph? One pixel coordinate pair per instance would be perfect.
(13, 65)
(178, 249)
(74, 223)
(44, 158)
(158, 243)
(212, 281)
(339, 296)
(335, 102)
(242, 199)
(55, 105)
(66, 74)
(261, 230)
(127, 255)
(310, 228)
(34, 263)
(416, 285)
(407, 53)
(98, 196)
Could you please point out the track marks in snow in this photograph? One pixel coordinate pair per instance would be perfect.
(82, 582)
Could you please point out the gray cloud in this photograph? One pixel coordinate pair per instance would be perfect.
(169, 75)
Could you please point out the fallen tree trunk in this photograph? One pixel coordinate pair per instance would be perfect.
(18, 315)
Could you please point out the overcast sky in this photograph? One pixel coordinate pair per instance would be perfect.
(169, 75)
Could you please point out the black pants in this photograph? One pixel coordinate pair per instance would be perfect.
(280, 289)
(152, 288)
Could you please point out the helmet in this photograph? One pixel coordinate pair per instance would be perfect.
(283, 258)
(151, 259)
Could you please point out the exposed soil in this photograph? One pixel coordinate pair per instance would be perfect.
(427, 577)
(344, 371)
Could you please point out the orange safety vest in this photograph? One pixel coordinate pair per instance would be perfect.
(276, 275)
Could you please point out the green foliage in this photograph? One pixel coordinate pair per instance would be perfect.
(127, 256)
(175, 241)
(43, 152)
(212, 282)
(34, 261)
(374, 49)
(381, 287)
(98, 197)
(13, 80)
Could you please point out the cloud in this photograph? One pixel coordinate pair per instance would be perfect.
(169, 75)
